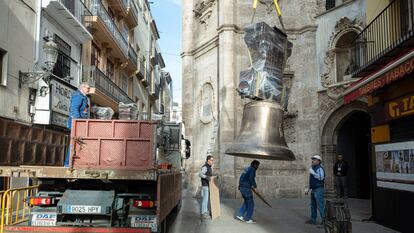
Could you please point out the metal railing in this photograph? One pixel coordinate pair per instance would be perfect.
(99, 10)
(77, 8)
(13, 207)
(96, 78)
(133, 55)
(389, 29)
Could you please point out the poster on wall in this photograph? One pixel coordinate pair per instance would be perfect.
(395, 165)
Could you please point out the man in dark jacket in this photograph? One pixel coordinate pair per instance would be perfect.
(340, 171)
(79, 109)
(316, 184)
(247, 182)
(205, 175)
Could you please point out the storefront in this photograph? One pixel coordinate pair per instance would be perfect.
(390, 93)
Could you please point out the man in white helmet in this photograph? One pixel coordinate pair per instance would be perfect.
(316, 184)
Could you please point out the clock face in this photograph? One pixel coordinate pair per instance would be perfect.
(206, 103)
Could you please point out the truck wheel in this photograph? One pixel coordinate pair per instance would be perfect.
(162, 228)
(177, 208)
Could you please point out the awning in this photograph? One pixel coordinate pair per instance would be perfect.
(389, 73)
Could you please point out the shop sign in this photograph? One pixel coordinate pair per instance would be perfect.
(60, 102)
(400, 107)
(395, 165)
(385, 79)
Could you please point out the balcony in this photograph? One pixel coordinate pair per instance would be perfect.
(105, 29)
(386, 38)
(133, 57)
(132, 15)
(70, 14)
(104, 91)
(120, 6)
(141, 73)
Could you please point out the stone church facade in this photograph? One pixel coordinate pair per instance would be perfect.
(213, 55)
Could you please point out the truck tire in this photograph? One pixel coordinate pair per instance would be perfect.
(162, 228)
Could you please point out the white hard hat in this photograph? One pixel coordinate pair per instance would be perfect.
(317, 157)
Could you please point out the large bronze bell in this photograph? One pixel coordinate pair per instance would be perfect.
(261, 135)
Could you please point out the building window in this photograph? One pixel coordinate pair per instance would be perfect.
(330, 4)
(95, 56)
(3, 67)
(110, 70)
(62, 67)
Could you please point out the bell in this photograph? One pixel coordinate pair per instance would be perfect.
(261, 134)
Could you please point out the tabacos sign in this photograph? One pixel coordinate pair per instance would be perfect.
(400, 107)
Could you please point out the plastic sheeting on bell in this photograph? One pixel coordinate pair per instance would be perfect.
(269, 48)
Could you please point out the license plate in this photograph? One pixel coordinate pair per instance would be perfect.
(83, 209)
(41, 219)
(144, 221)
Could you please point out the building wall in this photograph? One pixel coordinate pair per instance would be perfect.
(50, 24)
(214, 53)
(17, 37)
(374, 7)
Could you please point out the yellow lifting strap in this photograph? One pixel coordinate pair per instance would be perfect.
(277, 8)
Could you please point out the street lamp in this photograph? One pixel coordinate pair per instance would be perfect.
(51, 52)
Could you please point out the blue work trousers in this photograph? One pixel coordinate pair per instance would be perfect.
(317, 202)
(204, 203)
(246, 210)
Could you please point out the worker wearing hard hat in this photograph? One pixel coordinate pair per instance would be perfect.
(316, 184)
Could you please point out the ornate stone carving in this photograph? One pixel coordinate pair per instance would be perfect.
(343, 26)
(336, 91)
(327, 75)
(289, 126)
(203, 11)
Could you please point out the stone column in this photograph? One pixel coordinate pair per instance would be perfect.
(227, 79)
(187, 63)
(188, 76)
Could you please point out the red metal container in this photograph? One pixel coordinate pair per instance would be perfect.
(113, 144)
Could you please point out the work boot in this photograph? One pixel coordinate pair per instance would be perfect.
(310, 221)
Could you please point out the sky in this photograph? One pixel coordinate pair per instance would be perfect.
(167, 15)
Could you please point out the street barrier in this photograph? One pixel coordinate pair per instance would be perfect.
(13, 207)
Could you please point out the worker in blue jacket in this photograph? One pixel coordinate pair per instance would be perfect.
(79, 109)
(316, 185)
(247, 182)
(79, 104)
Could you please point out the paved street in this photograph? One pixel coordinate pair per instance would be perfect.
(288, 215)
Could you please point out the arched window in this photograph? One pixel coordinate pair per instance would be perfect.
(343, 55)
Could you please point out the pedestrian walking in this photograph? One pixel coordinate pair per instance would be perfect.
(247, 183)
(316, 184)
(79, 109)
(205, 174)
(340, 171)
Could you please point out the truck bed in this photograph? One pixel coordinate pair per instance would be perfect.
(78, 173)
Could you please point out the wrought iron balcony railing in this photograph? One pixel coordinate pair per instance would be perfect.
(99, 10)
(142, 68)
(96, 78)
(133, 55)
(389, 30)
(77, 8)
